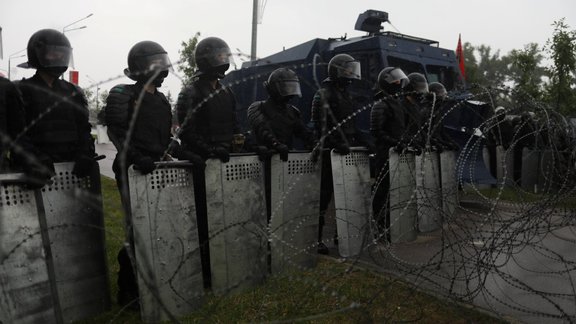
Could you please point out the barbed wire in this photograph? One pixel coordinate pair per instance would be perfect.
(504, 247)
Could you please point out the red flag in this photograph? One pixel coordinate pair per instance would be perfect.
(460, 57)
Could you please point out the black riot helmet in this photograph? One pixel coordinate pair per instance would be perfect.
(500, 113)
(392, 80)
(49, 49)
(283, 84)
(146, 59)
(417, 84)
(343, 67)
(212, 56)
(439, 89)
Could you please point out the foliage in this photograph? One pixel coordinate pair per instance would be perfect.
(562, 51)
(526, 73)
(187, 64)
(484, 68)
(522, 71)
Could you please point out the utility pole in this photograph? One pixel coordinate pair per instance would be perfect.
(254, 29)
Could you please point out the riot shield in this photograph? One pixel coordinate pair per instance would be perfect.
(505, 167)
(403, 210)
(75, 225)
(428, 194)
(546, 171)
(295, 200)
(352, 191)
(237, 224)
(66, 217)
(166, 246)
(530, 161)
(448, 183)
(27, 293)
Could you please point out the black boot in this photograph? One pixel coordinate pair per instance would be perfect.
(127, 286)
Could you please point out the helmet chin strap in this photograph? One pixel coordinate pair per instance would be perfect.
(54, 71)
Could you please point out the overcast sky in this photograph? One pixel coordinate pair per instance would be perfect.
(100, 49)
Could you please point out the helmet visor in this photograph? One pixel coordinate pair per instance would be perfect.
(54, 56)
(221, 56)
(289, 88)
(156, 62)
(421, 87)
(396, 75)
(349, 70)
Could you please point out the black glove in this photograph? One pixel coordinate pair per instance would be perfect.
(315, 155)
(453, 146)
(417, 150)
(400, 148)
(438, 148)
(196, 159)
(342, 148)
(282, 150)
(83, 165)
(39, 175)
(145, 165)
(221, 153)
(263, 152)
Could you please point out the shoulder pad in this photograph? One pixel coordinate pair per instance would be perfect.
(255, 105)
(120, 94)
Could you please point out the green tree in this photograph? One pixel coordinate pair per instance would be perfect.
(187, 64)
(526, 73)
(470, 63)
(483, 67)
(562, 49)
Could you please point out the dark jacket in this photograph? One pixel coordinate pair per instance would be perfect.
(151, 133)
(387, 123)
(11, 118)
(207, 117)
(331, 106)
(56, 119)
(415, 123)
(274, 122)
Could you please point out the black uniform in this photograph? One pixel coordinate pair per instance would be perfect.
(11, 119)
(330, 106)
(207, 117)
(415, 123)
(275, 122)
(57, 123)
(388, 128)
(149, 141)
(151, 133)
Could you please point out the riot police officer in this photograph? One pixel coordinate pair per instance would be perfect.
(275, 122)
(526, 137)
(332, 104)
(206, 110)
(388, 128)
(55, 112)
(439, 103)
(439, 90)
(207, 116)
(149, 139)
(416, 111)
